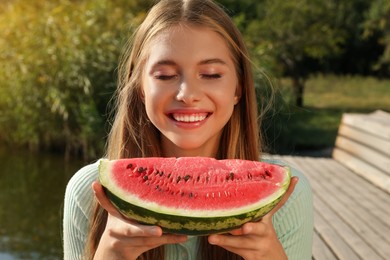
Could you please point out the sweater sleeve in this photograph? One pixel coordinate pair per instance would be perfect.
(294, 221)
(77, 209)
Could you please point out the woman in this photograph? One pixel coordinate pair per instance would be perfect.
(186, 89)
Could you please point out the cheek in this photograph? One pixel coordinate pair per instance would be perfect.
(150, 91)
(228, 92)
(151, 99)
(156, 98)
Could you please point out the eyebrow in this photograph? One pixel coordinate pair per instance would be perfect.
(211, 61)
(202, 62)
(164, 62)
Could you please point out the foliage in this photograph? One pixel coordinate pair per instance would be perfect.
(287, 38)
(292, 35)
(378, 22)
(291, 32)
(58, 62)
(298, 38)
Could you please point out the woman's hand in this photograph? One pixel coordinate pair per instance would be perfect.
(126, 239)
(256, 240)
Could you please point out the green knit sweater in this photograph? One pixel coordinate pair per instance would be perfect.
(293, 222)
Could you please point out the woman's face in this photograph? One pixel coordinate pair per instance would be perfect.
(189, 86)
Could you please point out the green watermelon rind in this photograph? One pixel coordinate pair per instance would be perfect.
(195, 226)
(172, 221)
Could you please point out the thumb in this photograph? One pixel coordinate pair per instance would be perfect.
(293, 182)
(104, 201)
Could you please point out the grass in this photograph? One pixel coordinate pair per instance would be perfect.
(348, 93)
(314, 127)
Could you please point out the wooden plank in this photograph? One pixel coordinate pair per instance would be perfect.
(376, 123)
(376, 196)
(357, 217)
(365, 170)
(347, 201)
(321, 251)
(352, 192)
(346, 215)
(330, 227)
(364, 153)
(381, 115)
(369, 140)
(371, 198)
(331, 230)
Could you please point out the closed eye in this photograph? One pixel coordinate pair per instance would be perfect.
(211, 76)
(165, 77)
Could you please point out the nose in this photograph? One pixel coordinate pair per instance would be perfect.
(188, 92)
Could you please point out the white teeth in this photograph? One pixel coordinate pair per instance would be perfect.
(189, 118)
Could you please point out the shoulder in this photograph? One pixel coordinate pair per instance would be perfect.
(77, 210)
(83, 177)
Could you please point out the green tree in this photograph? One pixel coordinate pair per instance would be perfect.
(292, 37)
(378, 23)
(301, 37)
(57, 69)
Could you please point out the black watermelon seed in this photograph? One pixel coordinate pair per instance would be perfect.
(231, 176)
(129, 166)
(187, 177)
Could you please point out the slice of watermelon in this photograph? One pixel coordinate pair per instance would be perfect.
(193, 195)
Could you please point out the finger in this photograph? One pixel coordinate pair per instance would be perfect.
(230, 242)
(132, 228)
(151, 242)
(128, 229)
(293, 182)
(236, 232)
(104, 201)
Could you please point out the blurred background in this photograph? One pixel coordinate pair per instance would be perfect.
(58, 61)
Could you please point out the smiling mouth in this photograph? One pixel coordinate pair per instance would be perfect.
(189, 118)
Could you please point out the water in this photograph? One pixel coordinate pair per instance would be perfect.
(32, 188)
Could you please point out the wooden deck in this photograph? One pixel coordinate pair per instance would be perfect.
(352, 215)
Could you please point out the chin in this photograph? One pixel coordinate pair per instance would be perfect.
(191, 145)
(190, 149)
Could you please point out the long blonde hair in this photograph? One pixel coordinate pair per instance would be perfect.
(133, 135)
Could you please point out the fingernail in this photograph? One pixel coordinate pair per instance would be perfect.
(154, 231)
(182, 239)
(213, 240)
(247, 229)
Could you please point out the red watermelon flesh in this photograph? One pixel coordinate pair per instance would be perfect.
(195, 185)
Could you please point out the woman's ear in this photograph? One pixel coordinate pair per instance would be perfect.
(237, 96)
(236, 99)
(142, 94)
